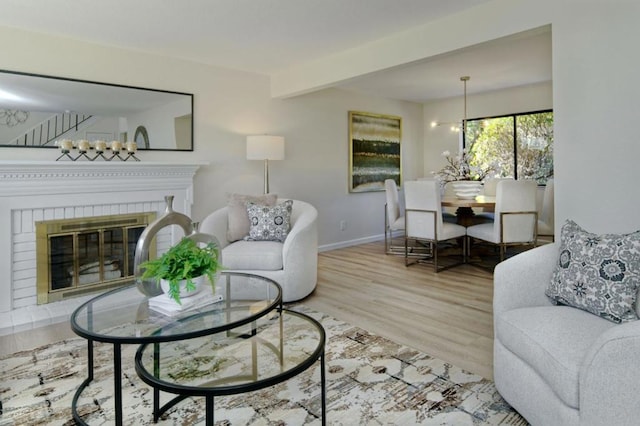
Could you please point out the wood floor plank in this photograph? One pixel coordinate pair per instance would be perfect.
(446, 314)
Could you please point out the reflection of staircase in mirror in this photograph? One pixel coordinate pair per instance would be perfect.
(48, 131)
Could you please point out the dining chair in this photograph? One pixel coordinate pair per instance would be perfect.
(491, 185)
(393, 217)
(424, 223)
(489, 190)
(446, 190)
(516, 217)
(546, 223)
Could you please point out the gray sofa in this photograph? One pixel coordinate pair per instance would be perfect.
(558, 365)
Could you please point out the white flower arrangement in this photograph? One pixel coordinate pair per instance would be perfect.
(458, 168)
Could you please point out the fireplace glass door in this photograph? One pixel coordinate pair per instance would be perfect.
(89, 254)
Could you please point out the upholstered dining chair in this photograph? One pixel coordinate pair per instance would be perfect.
(423, 220)
(446, 190)
(491, 186)
(489, 190)
(393, 217)
(516, 217)
(545, 223)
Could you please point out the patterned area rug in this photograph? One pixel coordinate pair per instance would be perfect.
(370, 381)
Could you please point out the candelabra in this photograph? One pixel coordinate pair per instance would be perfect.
(106, 153)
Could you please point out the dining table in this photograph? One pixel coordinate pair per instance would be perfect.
(465, 215)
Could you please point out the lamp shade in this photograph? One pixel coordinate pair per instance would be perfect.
(265, 147)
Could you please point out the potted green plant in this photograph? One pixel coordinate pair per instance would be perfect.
(183, 267)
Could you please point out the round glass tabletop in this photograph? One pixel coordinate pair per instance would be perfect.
(125, 315)
(268, 351)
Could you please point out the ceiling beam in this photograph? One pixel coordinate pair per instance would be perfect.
(486, 22)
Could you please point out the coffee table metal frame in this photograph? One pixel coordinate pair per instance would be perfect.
(221, 387)
(153, 337)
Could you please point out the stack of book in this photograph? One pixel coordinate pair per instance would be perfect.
(167, 306)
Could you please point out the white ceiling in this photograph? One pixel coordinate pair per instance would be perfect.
(266, 36)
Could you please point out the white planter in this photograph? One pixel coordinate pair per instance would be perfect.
(467, 189)
(198, 281)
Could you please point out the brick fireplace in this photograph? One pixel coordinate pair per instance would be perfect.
(33, 192)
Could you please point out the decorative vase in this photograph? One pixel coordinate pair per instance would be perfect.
(467, 189)
(198, 281)
(170, 217)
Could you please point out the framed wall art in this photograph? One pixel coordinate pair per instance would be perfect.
(374, 151)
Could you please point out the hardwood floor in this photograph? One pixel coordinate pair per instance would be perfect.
(447, 315)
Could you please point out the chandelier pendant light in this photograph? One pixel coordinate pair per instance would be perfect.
(464, 80)
(455, 126)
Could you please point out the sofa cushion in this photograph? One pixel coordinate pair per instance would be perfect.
(597, 273)
(238, 220)
(553, 340)
(269, 223)
(253, 255)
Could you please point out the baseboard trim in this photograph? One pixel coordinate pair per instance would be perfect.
(349, 243)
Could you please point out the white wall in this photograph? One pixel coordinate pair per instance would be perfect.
(597, 107)
(160, 123)
(533, 97)
(228, 105)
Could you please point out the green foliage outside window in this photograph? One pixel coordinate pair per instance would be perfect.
(523, 151)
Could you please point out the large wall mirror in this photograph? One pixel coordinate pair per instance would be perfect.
(38, 110)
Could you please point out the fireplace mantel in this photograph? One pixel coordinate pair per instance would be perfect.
(42, 177)
(41, 190)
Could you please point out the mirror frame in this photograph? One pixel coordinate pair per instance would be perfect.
(140, 130)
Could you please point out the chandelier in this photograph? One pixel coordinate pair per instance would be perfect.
(455, 126)
(13, 117)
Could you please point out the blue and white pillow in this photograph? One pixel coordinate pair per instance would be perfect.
(269, 223)
(597, 273)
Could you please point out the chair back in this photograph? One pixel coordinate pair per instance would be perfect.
(547, 213)
(393, 200)
(423, 211)
(491, 186)
(516, 218)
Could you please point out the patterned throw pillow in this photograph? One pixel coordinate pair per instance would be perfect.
(269, 223)
(238, 221)
(597, 273)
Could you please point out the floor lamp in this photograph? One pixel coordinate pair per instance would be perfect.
(265, 147)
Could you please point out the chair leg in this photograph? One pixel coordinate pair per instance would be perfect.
(406, 251)
(386, 242)
(435, 255)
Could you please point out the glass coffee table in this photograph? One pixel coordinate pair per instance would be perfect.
(123, 316)
(266, 352)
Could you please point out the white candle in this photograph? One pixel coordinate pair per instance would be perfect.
(65, 145)
(100, 146)
(83, 146)
(132, 147)
(116, 146)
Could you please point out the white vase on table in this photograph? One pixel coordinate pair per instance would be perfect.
(198, 281)
(467, 189)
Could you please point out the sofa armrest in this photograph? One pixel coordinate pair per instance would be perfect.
(521, 280)
(303, 235)
(216, 224)
(610, 379)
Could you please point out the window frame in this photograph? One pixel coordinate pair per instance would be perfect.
(514, 130)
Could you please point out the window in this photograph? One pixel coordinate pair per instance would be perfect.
(517, 145)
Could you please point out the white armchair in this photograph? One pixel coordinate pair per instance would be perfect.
(293, 264)
(558, 365)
